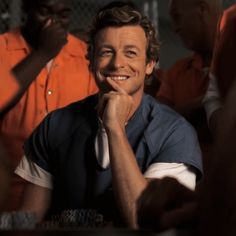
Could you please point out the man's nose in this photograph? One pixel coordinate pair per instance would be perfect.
(118, 60)
(55, 19)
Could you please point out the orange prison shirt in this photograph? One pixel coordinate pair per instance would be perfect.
(67, 81)
(8, 88)
(184, 81)
(223, 62)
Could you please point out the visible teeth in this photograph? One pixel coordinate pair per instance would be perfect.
(118, 77)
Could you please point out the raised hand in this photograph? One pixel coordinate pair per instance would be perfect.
(52, 38)
(115, 107)
(166, 204)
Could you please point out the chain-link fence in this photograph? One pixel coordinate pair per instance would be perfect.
(82, 13)
(227, 3)
(84, 10)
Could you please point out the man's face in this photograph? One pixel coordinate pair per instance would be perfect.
(43, 10)
(120, 53)
(186, 22)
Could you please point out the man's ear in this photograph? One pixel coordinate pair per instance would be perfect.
(150, 66)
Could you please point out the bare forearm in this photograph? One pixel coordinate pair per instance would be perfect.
(128, 181)
(36, 199)
(28, 69)
(26, 72)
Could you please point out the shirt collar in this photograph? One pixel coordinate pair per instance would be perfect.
(16, 41)
(75, 47)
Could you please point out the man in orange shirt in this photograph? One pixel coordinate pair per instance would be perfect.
(184, 84)
(51, 69)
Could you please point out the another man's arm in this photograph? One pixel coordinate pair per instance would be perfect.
(37, 192)
(167, 204)
(36, 199)
(52, 38)
(35, 169)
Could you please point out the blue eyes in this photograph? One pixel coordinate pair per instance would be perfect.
(131, 53)
(128, 53)
(105, 53)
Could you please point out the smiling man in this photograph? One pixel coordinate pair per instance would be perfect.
(100, 153)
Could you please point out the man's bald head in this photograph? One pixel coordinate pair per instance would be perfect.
(195, 21)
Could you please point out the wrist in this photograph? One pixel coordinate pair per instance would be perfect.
(43, 55)
(116, 130)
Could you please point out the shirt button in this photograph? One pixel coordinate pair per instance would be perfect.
(49, 92)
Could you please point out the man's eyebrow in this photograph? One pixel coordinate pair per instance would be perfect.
(131, 46)
(104, 46)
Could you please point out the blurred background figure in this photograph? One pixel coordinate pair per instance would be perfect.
(218, 206)
(222, 70)
(223, 64)
(195, 22)
(184, 84)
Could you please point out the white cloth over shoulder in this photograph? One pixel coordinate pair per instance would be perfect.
(212, 101)
(183, 173)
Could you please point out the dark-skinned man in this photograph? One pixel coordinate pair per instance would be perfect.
(51, 69)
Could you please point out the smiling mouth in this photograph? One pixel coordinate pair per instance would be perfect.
(118, 77)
